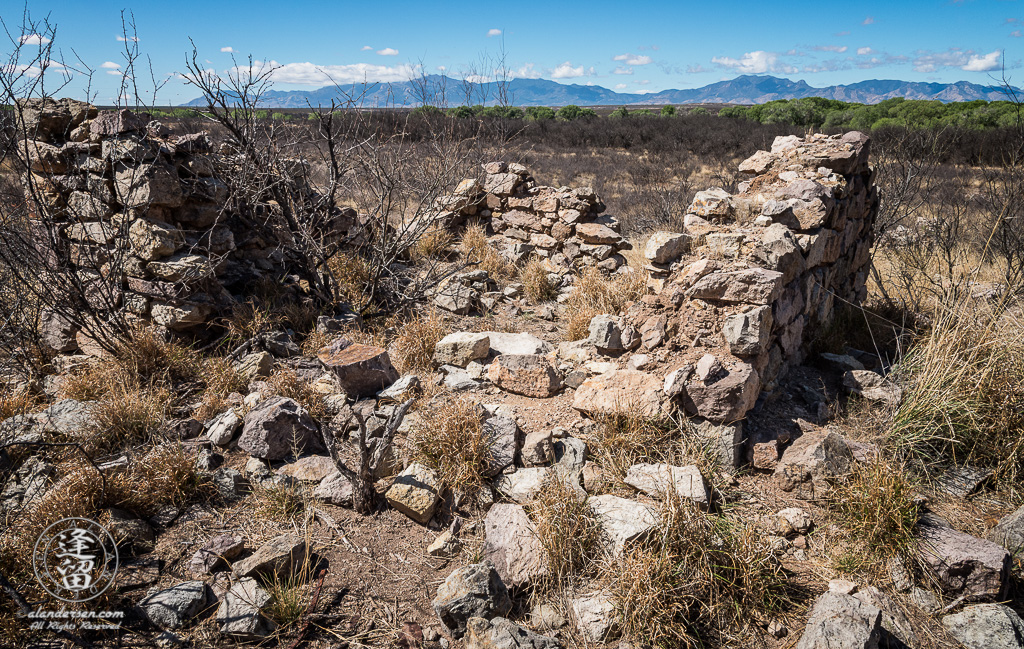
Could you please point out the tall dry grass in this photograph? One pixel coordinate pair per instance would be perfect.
(448, 437)
(475, 249)
(595, 293)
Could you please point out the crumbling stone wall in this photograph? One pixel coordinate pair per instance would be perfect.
(742, 293)
(565, 226)
(119, 197)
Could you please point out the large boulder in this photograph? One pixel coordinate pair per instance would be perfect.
(531, 375)
(361, 370)
(964, 565)
(619, 391)
(840, 621)
(277, 427)
(511, 544)
(473, 591)
(986, 626)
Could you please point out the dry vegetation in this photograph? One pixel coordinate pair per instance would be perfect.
(448, 436)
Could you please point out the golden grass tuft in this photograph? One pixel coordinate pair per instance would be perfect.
(351, 275)
(279, 502)
(414, 345)
(567, 529)
(536, 285)
(286, 383)
(127, 415)
(595, 293)
(475, 249)
(448, 437)
(433, 244)
(624, 438)
(696, 580)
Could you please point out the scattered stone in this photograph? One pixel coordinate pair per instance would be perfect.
(538, 449)
(530, 375)
(129, 531)
(811, 457)
(401, 389)
(502, 434)
(794, 520)
(276, 427)
(415, 493)
(456, 298)
(656, 479)
(473, 591)
(842, 362)
(605, 334)
(964, 565)
(623, 521)
(872, 386)
(596, 618)
(312, 468)
(962, 481)
(621, 390)
(500, 633)
(512, 546)
(986, 626)
(726, 396)
(361, 370)
(666, 247)
(546, 617)
(523, 485)
(748, 333)
(255, 365)
(240, 613)
(215, 554)
(445, 546)
(1009, 532)
(174, 607)
(280, 556)
(335, 489)
(841, 621)
(517, 344)
(461, 347)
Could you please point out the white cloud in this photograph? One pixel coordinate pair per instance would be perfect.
(831, 48)
(757, 62)
(870, 20)
(310, 74)
(526, 72)
(365, 48)
(633, 59)
(984, 63)
(620, 86)
(493, 32)
(622, 70)
(645, 82)
(116, 73)
(863, 51)
(441, 68)
(122, 39)
(228, 49)
(566, 71)
(696, 69)
(110, 65)
(33, 39)
(388, 51)
(1015, 33)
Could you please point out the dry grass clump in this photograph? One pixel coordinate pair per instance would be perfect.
(286, 383)
(475, 249)
(448, 437)
(414, 345)
(536, 284)
(876, 506)
(567, 529)
(433, 244)
(595, 293)
(16, 403)
(963, 398)
(624, 438)
(696, 581)
(150, 358)
(221, 380)
(127, 415)
(280, 502)
(351, 275)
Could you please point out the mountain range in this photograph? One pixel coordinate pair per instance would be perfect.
(746, 89)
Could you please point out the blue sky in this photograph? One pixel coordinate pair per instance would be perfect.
(633, 46)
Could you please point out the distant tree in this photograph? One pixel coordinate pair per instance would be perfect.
(572, 112)
(461, 112)
(700, 110)
(619, 112)
(668, 111)
(538, 113)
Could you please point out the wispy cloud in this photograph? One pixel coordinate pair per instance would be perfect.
(830, 48)
(967, 60)
(388, 51)
(122, 39)
(1015, 33)
(843, 33)
(365, 48)
(696, 69)
(620, 86)
(493, 32)
(33, 39)
(863, 51)
(622, 70)
(229, 49)
(757, 62)
(310, 74)
(567, 71)
(527, 71)
(870, 20)
(633, 59)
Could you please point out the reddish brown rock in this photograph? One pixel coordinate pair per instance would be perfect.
(531, 375)
(361, 370)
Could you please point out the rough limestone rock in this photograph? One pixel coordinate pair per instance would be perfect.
(657, 479)
(620, 390)
(524, 484)
(461, 347)
(215, 554)
(415, 493)
(530, 375)
(794, 520)
(811, 457)
(596, 618)
(457, 298)
(623, 521)
(473, 591)
(725, 396)
(538, 449)
(277, 426)
(511, 544)
(748, 333)
(726, 440)
(964, 565)
(605, 334)
(500, 633)
(666, 247)
(312, 468)
(174, 607)
(872, 386)
(752, 286)
(986, 626)
(279, 556)
(240, 613)
(521, 343)
(223, 428)
(502, 434)
(841, 621)
(361, 370)
(1009, 532)
(335, 489)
